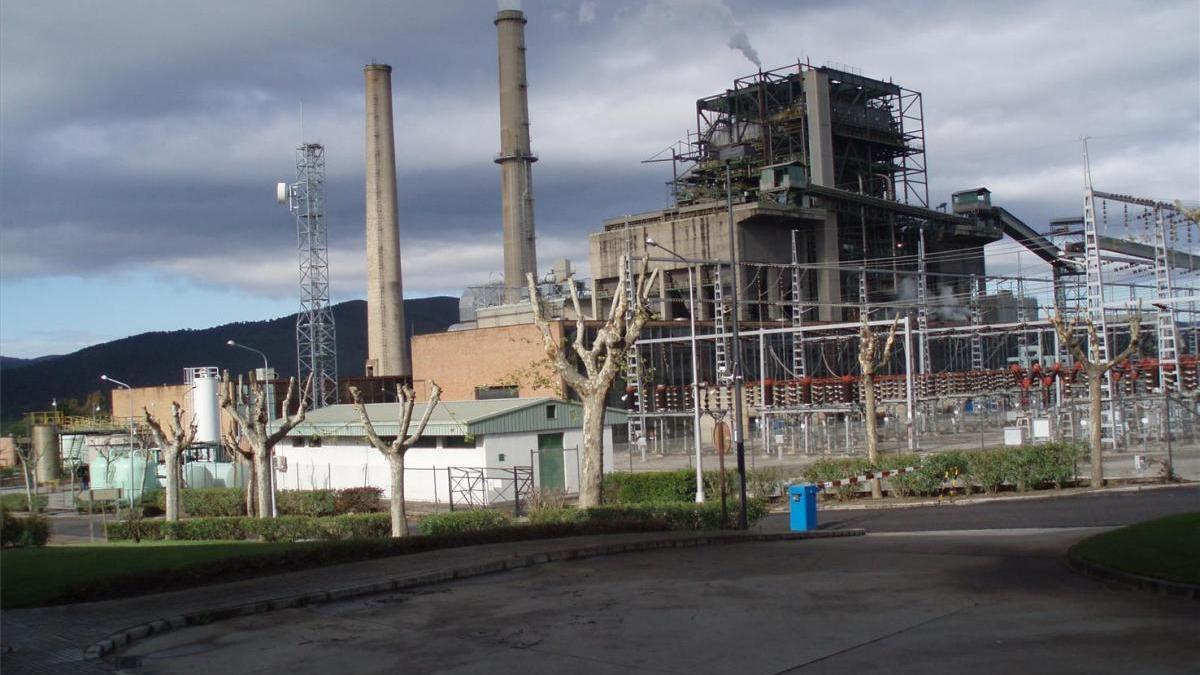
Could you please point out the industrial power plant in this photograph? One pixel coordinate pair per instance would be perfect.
(799, 211)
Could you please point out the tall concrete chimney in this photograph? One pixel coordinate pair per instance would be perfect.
(516, 159)
(387, 343)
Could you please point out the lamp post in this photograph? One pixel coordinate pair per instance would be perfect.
(119, 383)
(269, 394)
(695, 373)
(738, 429)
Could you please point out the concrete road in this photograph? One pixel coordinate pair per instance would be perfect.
(982, 601)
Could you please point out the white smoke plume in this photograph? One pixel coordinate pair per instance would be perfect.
(741, 42)
(503, 5)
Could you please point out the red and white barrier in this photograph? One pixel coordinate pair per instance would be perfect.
(855, 480)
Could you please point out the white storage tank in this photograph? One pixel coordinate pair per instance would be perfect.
(205, 382)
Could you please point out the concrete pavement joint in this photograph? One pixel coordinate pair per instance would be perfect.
(107, 646)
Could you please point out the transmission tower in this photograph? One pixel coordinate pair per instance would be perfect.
(316, 338)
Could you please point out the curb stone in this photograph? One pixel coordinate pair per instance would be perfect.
(123, 638)
(1135, 581)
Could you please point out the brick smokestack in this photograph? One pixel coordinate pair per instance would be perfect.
(516, 159)
(387, 342)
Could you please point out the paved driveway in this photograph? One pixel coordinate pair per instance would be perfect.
(940, 602)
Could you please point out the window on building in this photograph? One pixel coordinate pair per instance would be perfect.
(314, 441)
(551, 412)
(297, 441)
(487, 393)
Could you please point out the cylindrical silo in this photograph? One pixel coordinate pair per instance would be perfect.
(387, 342)
(205, 407)
(46, 449)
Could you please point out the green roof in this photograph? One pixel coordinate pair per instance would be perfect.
(453, 418)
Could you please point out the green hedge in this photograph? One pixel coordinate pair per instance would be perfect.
(306, 502)
(358, 500)
(16, 501)
(315, 554)
(1025, 468)
(461, 521)
(283, 528)
(680, 486)
(207, 502)
(32, 530)
(666, 515)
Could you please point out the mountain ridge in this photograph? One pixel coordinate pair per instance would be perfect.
(159, 357)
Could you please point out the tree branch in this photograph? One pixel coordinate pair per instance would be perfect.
(435, 395)
(368, 428)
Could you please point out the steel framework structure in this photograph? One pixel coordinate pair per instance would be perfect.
(316, 337)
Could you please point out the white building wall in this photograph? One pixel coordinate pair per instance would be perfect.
(341, 463)
(347, 464)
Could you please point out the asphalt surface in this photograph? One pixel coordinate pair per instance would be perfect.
(983, 588)
(1109, 509)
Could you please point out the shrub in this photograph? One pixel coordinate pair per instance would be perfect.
(1032, 466)
(556, 515)
(290, 528)
(461, 521)
(11, 530)
(360, 526)
(824, 470)
(231, 528)
(357, 500)
(662, 515)
(35, 530)
(988, 468)
(16, 501)
(766, 482)
(305, 502)
(207, 502)
(653, 486)
(900, 485)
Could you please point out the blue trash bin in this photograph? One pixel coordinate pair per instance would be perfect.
(802, 500)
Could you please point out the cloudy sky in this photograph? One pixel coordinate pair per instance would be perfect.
(140, 141)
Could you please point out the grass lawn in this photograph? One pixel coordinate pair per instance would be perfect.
(36, 576)
(1167, 548)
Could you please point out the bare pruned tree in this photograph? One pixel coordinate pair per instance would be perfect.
(173, 441)
(27, 455)
(394, 451)
(1095, 371)
(240, 448)
(601, 362)
(251, 414)
(870, 359)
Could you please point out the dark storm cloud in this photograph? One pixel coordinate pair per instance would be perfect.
(147, 133)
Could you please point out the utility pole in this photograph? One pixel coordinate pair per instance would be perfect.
(738, 430)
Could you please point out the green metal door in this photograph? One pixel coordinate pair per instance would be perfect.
(550, 462)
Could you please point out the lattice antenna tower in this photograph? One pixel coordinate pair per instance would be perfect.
(316, 337)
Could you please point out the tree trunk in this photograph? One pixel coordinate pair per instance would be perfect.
(250, 488)
(172, 459)
(868, 383)
(592, 478)
(262, 469)
(30, 486)
(399, 513)
(1096, 427)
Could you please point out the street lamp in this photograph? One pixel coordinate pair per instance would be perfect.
(119, 383)
(738, 430)
(269, 395)
(695, 374)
